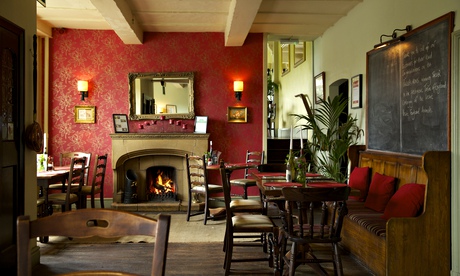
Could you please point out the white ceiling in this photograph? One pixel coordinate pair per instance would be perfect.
(305, 20)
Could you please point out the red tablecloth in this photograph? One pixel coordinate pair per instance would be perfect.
(282, 184)
(270, 174)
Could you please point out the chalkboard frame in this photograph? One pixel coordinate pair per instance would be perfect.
(384, 74)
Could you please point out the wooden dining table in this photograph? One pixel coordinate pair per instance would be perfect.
(230, 167)
(271, 185)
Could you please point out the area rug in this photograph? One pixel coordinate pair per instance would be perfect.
(181, 231)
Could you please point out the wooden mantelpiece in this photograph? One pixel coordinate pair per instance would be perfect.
(137, 151)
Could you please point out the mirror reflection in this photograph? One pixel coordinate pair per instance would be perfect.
(299, 53)
(285, 54)
(152, 95)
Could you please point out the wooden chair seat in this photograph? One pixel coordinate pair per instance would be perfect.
(213, 188)
(246, 205)
(40, 202)
(243, 182)
(60, 198)
(87, 190)
(59, 186)
(252, 223)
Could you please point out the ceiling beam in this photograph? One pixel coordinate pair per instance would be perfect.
(119, 16)
(240, 17)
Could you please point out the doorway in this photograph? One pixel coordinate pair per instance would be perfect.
(11, 145)
(340, 88)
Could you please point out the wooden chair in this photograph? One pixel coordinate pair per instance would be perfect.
(198, 185)
(302, 228)
(252, 157)
(72, 188)
(97, 185)
(64, 160)
(242, 224)
(93, 222)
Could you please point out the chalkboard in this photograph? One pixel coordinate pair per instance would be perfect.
(408, 102)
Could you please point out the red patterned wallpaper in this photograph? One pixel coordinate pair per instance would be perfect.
(101, 58)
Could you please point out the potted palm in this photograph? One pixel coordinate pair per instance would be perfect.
(331, 138)
(272, 87)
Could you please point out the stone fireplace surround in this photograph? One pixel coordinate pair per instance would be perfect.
(139, 151)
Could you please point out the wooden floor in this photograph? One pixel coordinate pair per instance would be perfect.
(184, 258)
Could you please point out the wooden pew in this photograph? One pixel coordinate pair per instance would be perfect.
(412, 246)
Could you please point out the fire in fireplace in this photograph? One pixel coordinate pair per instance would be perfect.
(160, 183)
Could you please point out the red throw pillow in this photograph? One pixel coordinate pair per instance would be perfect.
(359, 179)
(406, 202)
(380, 191)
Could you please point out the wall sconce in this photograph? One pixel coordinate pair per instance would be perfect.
(394, 37)
(83, 89)
(238, 88)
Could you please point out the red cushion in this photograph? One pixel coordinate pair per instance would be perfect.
(359, 179)
(380, 191)
(406, 202)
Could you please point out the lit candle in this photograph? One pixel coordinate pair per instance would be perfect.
(44, 142)
(301, 140)
(290, 144)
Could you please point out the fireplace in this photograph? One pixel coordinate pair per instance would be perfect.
(139, 152)
(160, 184)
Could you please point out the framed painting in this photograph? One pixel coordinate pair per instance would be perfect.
(85, 114)
(120, 123)
(171, 108)
(319, 82)
(356, 91)
(237, 114)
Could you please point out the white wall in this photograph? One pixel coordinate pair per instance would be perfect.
(299, 80)
(341, 53)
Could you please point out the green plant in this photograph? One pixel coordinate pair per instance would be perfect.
(272, 87)
(331, 138)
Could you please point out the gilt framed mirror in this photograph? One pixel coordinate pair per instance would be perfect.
(152, 95)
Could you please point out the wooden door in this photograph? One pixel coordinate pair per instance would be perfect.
(11, 145)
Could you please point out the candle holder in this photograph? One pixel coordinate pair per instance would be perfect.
(163, 126)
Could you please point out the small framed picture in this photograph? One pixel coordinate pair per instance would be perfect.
(201, 123)
(120, 123)
(171, 108)
(85, 114)
(320, 82)
(237, 114)
(356, 91)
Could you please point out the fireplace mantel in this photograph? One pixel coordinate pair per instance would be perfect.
(126, 143)
(157, 146)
